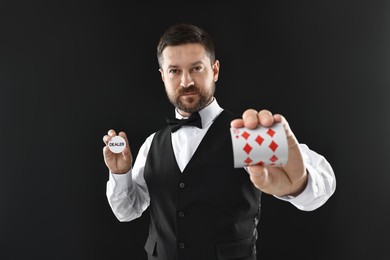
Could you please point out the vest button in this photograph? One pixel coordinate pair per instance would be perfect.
(181, 245)
(181, 214)
(182, 185)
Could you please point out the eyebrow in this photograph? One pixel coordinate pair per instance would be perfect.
(192, 65)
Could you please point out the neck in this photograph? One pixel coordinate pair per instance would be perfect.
(183, 113)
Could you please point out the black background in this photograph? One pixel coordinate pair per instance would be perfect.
(69, 71)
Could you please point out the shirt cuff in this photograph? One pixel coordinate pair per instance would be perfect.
(305, 199)
(120, 181)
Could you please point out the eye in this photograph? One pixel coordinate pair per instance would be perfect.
(198, 68)
(173, 71)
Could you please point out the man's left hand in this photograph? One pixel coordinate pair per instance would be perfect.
(291, 178)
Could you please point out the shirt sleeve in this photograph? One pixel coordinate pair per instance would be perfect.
(321, 182)
(128, 194)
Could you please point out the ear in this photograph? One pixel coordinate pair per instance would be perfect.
(162, 74)
(216, 70)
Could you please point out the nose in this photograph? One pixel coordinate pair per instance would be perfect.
(186, 80)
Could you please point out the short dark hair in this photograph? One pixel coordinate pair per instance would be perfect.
(183, 33)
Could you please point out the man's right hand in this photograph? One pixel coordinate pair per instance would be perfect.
(118, 163)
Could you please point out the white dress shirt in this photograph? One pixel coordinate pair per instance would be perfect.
(128, 194)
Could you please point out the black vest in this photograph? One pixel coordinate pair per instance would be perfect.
(210, 210)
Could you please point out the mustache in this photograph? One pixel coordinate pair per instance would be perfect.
(189, 89)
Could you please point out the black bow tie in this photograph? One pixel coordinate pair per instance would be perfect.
(193, 120)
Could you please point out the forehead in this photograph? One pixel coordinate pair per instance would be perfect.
(183, 55)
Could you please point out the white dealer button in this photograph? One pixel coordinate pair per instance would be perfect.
(117, 144)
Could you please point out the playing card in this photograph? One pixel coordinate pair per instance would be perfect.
(259, 146)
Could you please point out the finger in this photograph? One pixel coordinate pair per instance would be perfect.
(281, 119)
(123, 134)
(265, 118)
(271, 180)
(250, 118)
(278, 118)
(111, 132)
(126, 151)
(106, 151)
(237, 123)
(106, 139)
(259, 176)
(257, 170)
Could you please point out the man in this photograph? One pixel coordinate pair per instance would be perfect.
(201, 207)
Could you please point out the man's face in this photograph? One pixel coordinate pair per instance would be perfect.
(188, 76)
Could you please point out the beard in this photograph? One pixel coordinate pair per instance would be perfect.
(192, 103)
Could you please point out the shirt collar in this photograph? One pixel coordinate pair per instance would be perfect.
(208, 113)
